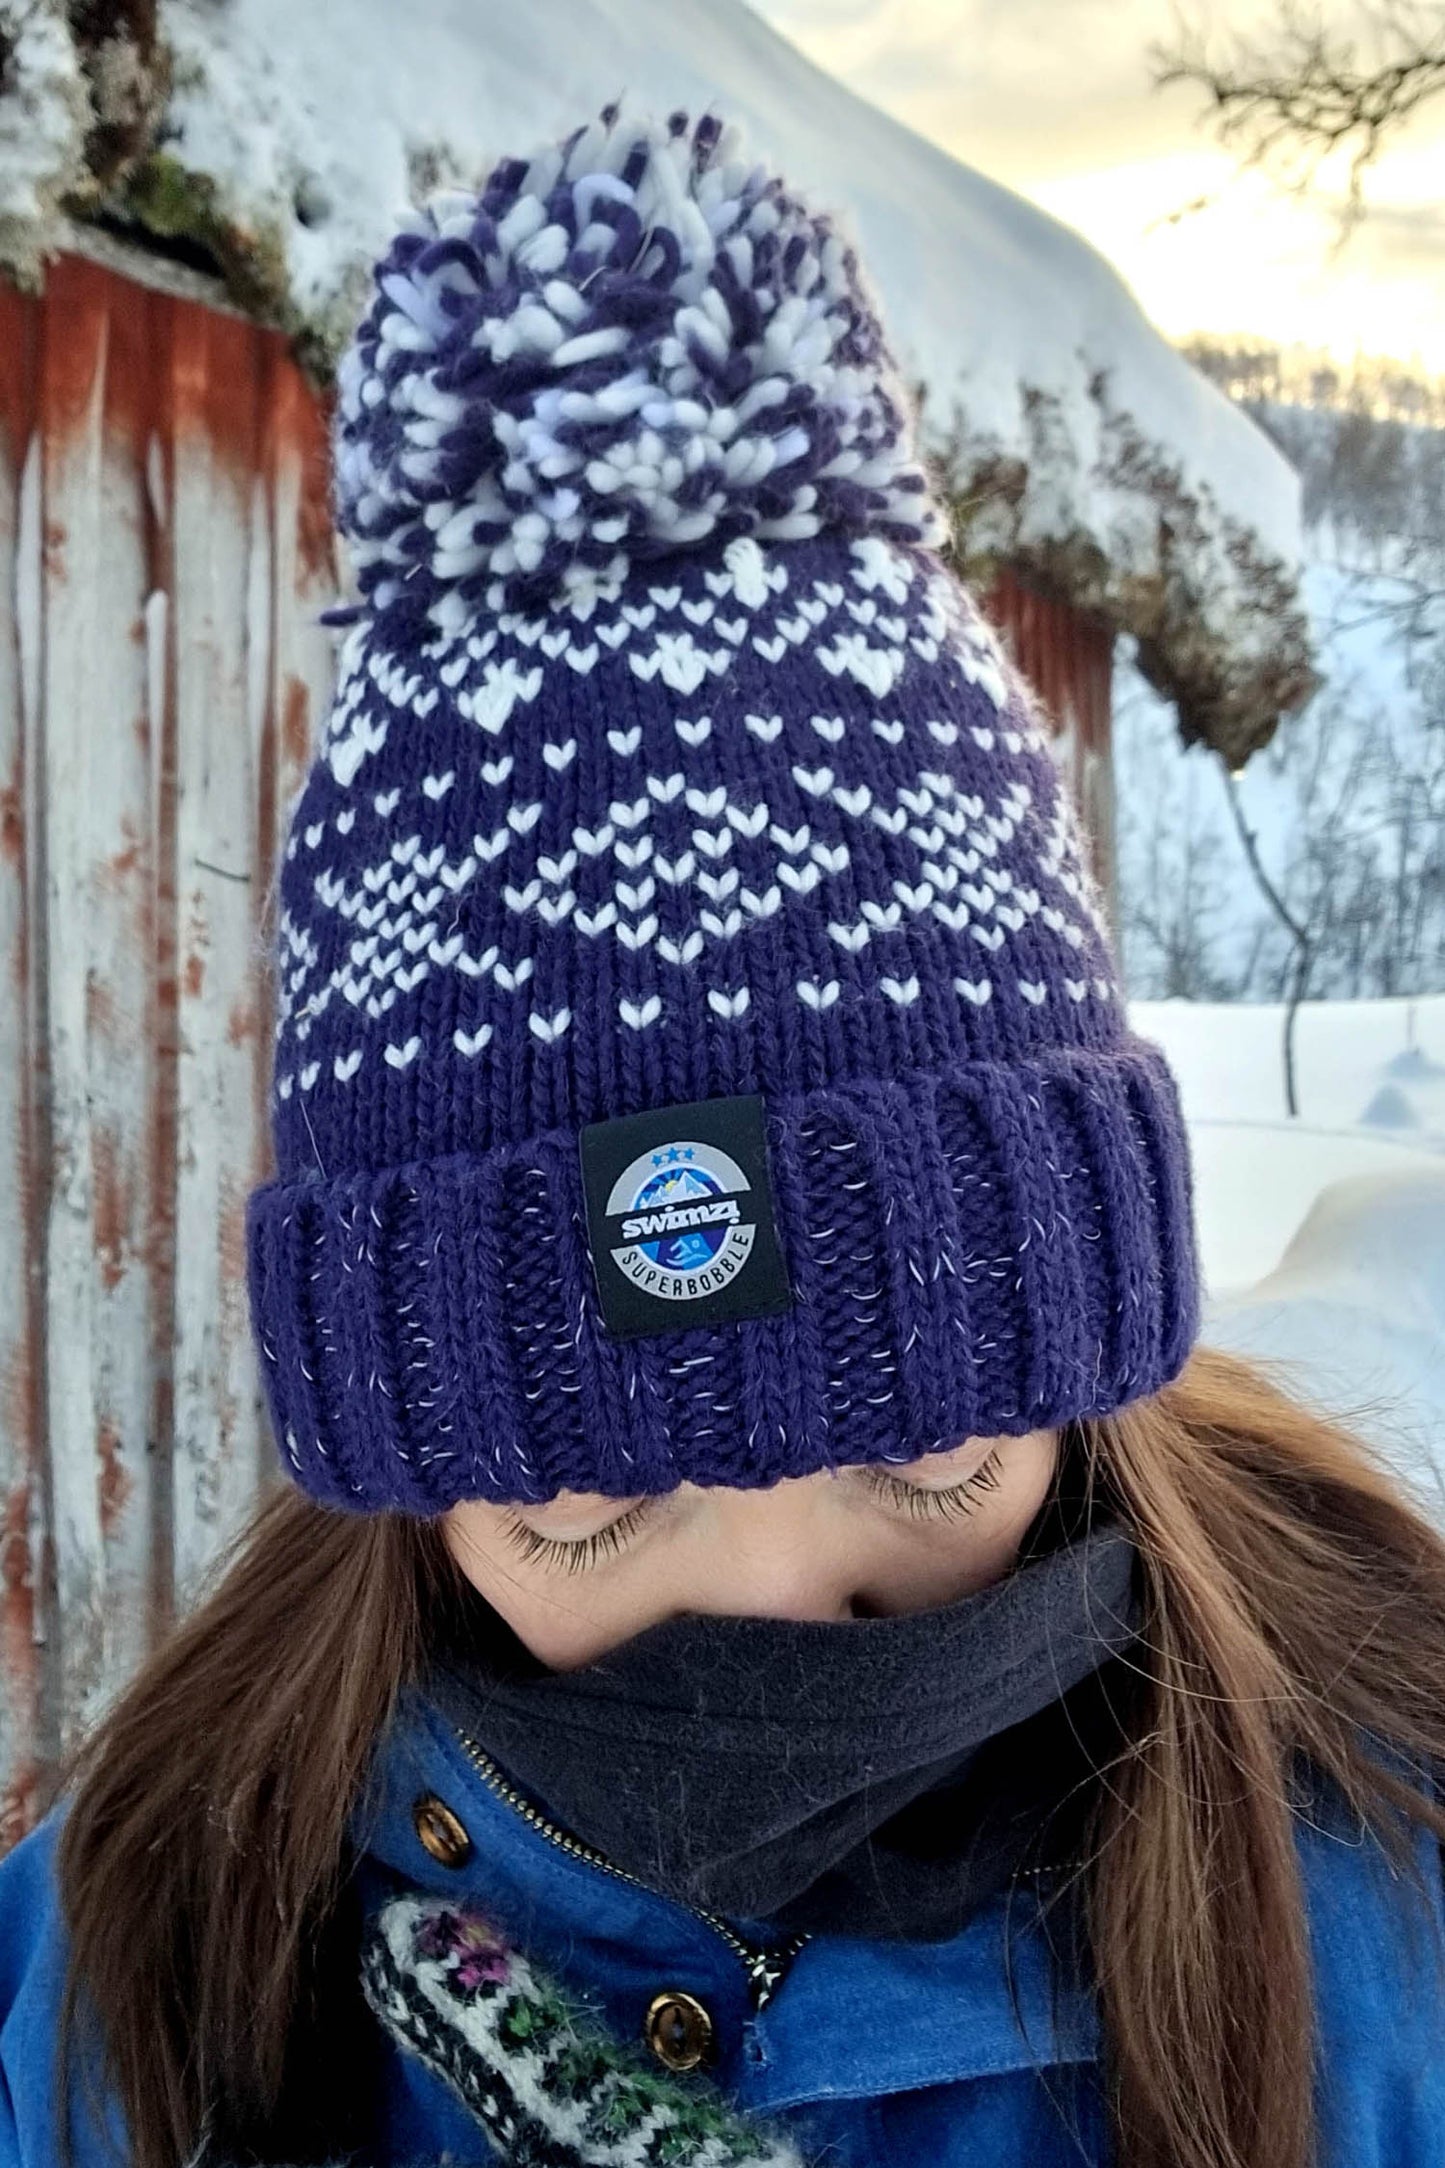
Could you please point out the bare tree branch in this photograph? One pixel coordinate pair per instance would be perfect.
(1299, 933)
(1291, 98)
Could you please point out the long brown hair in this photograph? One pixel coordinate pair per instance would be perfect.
(1294, 1608)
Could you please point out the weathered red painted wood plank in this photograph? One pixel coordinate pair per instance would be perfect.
(22, 1712)
(1068, 657)
(165, 532)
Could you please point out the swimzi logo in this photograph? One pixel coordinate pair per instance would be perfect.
(680, 1217)
(684, 1234)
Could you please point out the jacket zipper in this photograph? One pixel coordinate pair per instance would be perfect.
(765, 1969)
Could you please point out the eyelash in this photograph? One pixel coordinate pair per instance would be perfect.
(576, 1556)
(955, 1503)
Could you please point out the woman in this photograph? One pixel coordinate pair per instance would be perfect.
(778, 1646)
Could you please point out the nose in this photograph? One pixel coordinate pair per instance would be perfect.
(777, 1556)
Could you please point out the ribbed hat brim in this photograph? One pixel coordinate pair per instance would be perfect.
(985, 1252)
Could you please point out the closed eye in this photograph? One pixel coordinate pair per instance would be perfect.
(576, 1553)
(923, 1503)
(918, 1501)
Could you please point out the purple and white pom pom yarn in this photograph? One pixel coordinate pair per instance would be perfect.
(634, 342)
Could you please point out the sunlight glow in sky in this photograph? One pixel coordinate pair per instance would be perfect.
(1055, 99)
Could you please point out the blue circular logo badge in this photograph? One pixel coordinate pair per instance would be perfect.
(683, 1233)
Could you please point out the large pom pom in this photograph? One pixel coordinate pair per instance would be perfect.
(633, 342)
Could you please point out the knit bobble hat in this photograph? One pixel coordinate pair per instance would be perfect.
(700, 1054)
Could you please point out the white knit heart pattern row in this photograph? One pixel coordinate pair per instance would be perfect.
(816, 994)
(401, 907)
(901, 616)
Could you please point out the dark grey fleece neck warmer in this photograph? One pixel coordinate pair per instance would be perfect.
(813, 1775)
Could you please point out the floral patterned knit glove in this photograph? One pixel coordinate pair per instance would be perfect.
(546, 2081)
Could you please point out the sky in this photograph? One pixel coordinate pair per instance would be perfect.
(1055, 98)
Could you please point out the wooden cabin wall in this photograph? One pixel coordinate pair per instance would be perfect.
(165, 547)
(1068, 656)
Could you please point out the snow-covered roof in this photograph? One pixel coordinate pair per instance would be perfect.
(1074, 442)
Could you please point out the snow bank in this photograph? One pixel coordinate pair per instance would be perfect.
(1370, 1077)
(1323, 1239)
(1353, 1318)
(1078, 445)
(1228, 1057)
(1256, 1181)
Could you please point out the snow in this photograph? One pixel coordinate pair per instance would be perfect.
(1083, 444)
(1323, 1239)
(276, 107)
(1228, 1056)
(279, 102)
(1272, 1172)
(1353, 1318)
(44, 113)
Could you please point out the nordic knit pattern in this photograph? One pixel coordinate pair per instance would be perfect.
(549, 2085)
(668, 761)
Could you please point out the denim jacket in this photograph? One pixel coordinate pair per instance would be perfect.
(966, 2054)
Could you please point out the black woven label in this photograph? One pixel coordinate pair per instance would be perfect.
(680, 1217)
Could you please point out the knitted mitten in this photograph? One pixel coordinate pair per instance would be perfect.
(547, 2082)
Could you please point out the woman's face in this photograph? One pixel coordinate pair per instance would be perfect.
(582, 1573)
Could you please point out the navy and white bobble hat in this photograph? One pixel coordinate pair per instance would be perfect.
(700, 1053)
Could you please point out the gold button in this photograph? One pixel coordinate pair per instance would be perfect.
(440, 1831)
(678, 2030)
